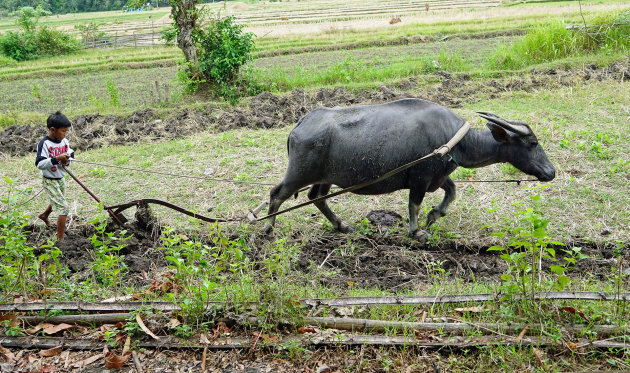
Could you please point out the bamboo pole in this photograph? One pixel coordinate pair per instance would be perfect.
(453, 328)
(317, 340)
(314, 302)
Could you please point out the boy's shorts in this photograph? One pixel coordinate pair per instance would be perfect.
(56, 190)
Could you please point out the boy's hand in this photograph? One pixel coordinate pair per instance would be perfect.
(64, 159)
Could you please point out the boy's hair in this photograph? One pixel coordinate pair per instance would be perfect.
(58, 120)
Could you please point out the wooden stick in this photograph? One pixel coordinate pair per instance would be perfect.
(136, 362)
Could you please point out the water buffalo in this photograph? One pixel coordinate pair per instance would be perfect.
(351, 145)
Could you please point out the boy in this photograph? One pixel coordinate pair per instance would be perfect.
(52, 152)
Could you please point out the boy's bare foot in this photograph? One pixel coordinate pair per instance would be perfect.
(44, 218)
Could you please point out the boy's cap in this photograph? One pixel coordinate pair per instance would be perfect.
(58, 120)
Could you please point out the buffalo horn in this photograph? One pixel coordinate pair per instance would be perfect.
(518, 129)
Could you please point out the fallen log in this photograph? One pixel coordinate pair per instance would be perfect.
(318, 339)
(333, 302)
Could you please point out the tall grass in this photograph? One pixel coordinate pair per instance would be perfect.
(553, 41)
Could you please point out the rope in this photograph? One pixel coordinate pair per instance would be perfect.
(174, 175)
(29, 200)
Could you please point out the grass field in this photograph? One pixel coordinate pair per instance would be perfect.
(578, 106)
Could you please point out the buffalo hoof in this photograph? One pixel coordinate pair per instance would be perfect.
(433, 215)
(345, 228)
(420, 236)
(268, 229)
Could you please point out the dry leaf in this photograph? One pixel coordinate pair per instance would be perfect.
(88, 361)
(574, 311)
(117, 299)
(45, 369)
(7, 355)
(144, 327)
(203, 339)
(520, 336)
(13, 320)
(572, 346)
(39, 327)
(173, 323)
(540, 356)
(126, 346)
(51, 352)
(113, 361)
(58, 328)
(306, 330)
(475, 309)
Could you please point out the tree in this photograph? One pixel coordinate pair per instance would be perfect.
(27, 17)
(213, 53)
(185, 17)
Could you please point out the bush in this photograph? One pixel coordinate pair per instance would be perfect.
(22, 46)
(222, 49)
(34, 41)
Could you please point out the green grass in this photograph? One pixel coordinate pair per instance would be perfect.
(553, 41)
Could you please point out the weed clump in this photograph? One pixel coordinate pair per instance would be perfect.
(549, 42)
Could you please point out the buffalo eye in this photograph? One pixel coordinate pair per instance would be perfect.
(533, 144)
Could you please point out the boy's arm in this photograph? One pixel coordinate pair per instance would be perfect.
(43, 160)
(71, 153)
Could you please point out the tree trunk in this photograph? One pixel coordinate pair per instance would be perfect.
(185, 15)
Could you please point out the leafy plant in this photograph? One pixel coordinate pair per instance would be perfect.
(16, 256)
(527, 246)
(112, 90)
(108, 266)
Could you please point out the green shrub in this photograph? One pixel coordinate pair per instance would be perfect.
(222, 49)
(22, 46)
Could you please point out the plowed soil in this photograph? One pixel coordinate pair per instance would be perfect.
(268, 110)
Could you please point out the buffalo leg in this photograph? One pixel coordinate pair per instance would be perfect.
(415, 199)
(277, 196)
(440, 210)
(320, 190)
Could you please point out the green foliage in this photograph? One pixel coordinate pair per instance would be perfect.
(28, 17)
(34, 42)
(112, 90)
(169, 34)
(90, 31)
(16, 256)
(108, 266)
(200, 268)
(528, 245)
(222, 49)
(552, 41)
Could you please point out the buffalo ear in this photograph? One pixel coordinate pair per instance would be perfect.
(498, 132)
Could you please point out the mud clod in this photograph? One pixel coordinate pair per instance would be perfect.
(384, 218)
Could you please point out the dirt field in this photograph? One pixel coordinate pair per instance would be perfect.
(269, 111)
(384, 261)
